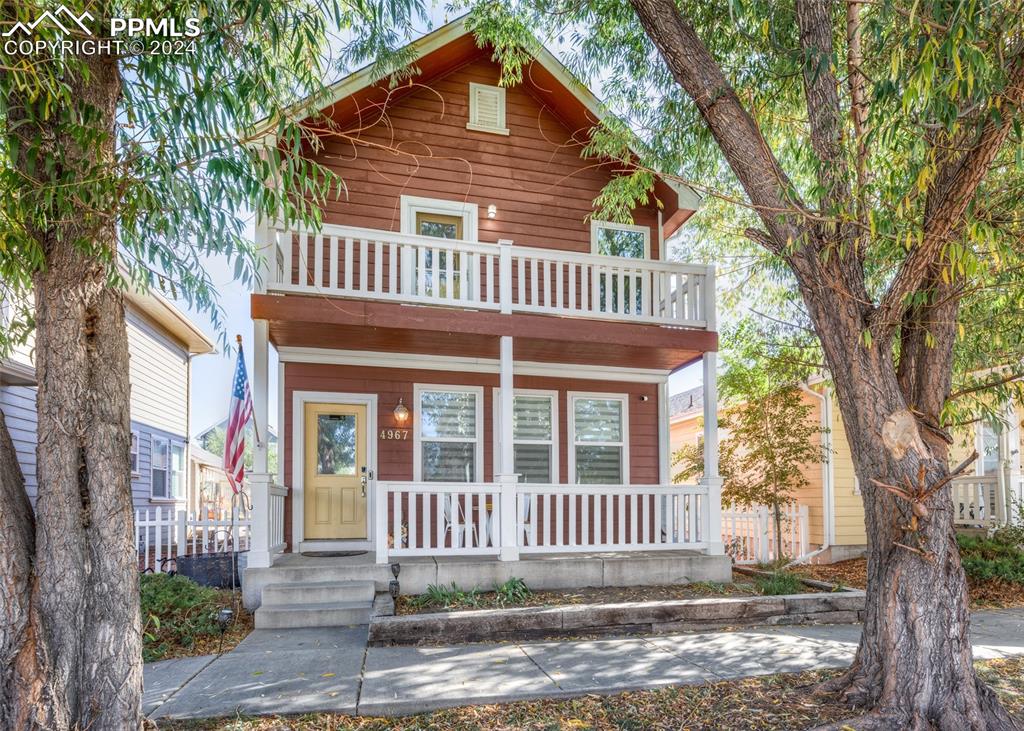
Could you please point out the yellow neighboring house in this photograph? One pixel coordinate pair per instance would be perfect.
(833, 500)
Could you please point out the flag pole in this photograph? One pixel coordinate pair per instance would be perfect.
(255, 426)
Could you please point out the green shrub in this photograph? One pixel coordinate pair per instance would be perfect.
(988, 558)
(439, 595)
(512, 591)
(175, 613)
(779, 582)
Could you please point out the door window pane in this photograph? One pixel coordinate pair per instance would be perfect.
(336, 444)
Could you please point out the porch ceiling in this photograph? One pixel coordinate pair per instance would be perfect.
(327, 322)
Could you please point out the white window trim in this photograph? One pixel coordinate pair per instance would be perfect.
(417, 446)
(136, 452)
(502, 128)
(412, 204)
(496, 413)
(595, 225)
(570, 405)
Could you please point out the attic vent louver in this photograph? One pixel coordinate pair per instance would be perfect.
(487, 109)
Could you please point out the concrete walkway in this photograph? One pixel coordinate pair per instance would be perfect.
(308, 670)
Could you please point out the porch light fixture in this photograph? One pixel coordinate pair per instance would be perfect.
(492, 211)
(401, 412)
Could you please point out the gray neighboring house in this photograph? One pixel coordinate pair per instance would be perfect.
(161, 344)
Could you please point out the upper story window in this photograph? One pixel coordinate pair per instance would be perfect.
(620, 239)
(487, 109)
(448, 433)
(440, 218)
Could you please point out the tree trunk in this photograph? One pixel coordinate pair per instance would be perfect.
(79, 653)
(777, 518)
(914, 666)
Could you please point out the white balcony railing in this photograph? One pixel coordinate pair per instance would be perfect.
(381, 265)
(449, 519)
(978, 501)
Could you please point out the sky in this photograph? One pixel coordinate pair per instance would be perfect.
(211, 374)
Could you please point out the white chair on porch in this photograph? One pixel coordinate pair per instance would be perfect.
(458, 533)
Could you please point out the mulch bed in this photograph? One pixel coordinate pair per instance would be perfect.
(242, 624)
(742, 585)
(768, 703)
(985, 594)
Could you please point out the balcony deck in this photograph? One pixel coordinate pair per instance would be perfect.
(340, 261)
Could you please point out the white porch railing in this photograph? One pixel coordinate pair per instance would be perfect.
(276, 522)
(749, 534)
(382, 265)
(441, 519)
(431, 519)
(978, 501)
(163, 534)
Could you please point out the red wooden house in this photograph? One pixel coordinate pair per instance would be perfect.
(473, 368)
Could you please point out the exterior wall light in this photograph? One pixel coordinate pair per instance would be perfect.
(492, 211)
(401, 412)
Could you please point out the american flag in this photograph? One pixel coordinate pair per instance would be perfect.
(238, 416)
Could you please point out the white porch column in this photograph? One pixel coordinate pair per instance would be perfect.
(1016, 483)
(259, 535)
(260, 392)
(507, 478)
(711, 478)
(259, 479)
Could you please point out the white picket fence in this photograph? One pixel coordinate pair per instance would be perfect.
(749, 534)
(162, 534)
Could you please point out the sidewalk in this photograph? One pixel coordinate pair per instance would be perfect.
(310, 670)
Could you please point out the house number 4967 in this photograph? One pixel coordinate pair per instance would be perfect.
(400, 434)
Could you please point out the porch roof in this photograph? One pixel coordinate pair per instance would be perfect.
(323, 322)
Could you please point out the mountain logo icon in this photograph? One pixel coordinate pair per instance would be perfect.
(64, 18)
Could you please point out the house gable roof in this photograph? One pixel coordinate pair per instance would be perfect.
(354, 97)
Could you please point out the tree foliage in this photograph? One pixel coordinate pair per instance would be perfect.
(192, 167)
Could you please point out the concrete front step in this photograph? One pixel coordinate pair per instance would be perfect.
(322, 614)
(300, 593)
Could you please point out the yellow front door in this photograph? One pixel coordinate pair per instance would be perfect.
(335, 472)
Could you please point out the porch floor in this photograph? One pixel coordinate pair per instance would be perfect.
(539, 571)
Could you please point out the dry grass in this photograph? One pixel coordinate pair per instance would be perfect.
(770, 703)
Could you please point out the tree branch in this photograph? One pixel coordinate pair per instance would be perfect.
(823, 110)
(737, 134)
(956, 185)
(858, 103)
